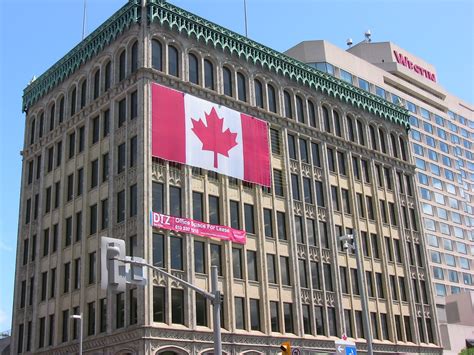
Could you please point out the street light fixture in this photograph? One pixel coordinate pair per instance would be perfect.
(347, 238)
(79, 317)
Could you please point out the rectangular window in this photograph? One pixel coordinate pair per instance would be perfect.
(201, 310)
(92, 268)
(278, 182)
(122, 112)
(175, 201)
(271, 269)
(299, 229)
(237, 263)
(234, 214)
(285, 270)
(120, 206)
(216, 257)
(70, 187)
(121, 158)
(295, 187)
(346, 201)
(319, 319)
(133, 200)
(252, 271)
(302, 272)
(281, 225)
(288, 317)
(158, 250)
(275, 316)
(133, 151)
(332, 321)
(315, 279)
(159, 304)
(335, 198)
(176, 252)
(72, 142)
(177, 306)
(105, 123)
(331, 164)
(119, 310)
(214, 210)
(93, 219)
(316, 154)
(239, 303)
(254, 314)
(341, 161)
(65, 324)
(105, 214)
(133, 105)
(249, 218)
(157, 197)
(67, 277)
(267, 220)
(197, 206)
(328, 277)
(91, 318)
(77, 274)
(370, 207)
(199, 257)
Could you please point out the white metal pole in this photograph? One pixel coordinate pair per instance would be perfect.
(363, 295)
(80, 334)
(216, 308)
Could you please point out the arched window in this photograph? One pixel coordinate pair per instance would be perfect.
(272, 104)
(208, 74)
(337, 123)
(350, 128)
(134, 59)
(403, 149)
(287, 101)
(107, 76)
(394, 145)
(122, 66)
(72, 100)
(383, 145)
(326, 121)
(61, 110)
(312, 113)
(83, 93)
(193, 69)
(32, 131)
(96, 84)
(299, 109)
(360, 132)
(51, 116)
(373, 139)
(227, 77)
(173, 61)
(258, 93)
(156, 55)
(241, 87)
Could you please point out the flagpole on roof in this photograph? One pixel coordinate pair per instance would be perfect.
(245, 16)
(84, 21)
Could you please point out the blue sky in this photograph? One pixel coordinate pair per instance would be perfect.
(35, 34)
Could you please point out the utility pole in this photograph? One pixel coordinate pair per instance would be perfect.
(363, 291)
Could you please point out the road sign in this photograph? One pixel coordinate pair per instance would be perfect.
(345, 347)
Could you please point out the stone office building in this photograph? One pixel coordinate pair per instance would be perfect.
(88, 172)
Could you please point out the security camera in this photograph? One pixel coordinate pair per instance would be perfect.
(349, 41)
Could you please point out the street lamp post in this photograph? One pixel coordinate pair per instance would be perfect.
(363, 293)
(79, 317)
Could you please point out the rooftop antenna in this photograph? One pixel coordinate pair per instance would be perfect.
(84, 21)
(245, 17)
(367, 35)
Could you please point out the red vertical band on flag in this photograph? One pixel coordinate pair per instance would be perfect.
(168, 124)
(256, 150)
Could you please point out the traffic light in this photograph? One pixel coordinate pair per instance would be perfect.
(285, 348)
(113, 272)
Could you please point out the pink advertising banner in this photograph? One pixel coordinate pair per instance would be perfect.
(187, 225)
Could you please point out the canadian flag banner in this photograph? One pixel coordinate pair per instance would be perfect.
(196, 132)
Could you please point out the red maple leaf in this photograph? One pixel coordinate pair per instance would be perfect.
(212, 137)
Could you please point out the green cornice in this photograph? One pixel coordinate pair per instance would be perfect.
(192, 25)
(217, 36)
(85, 50)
